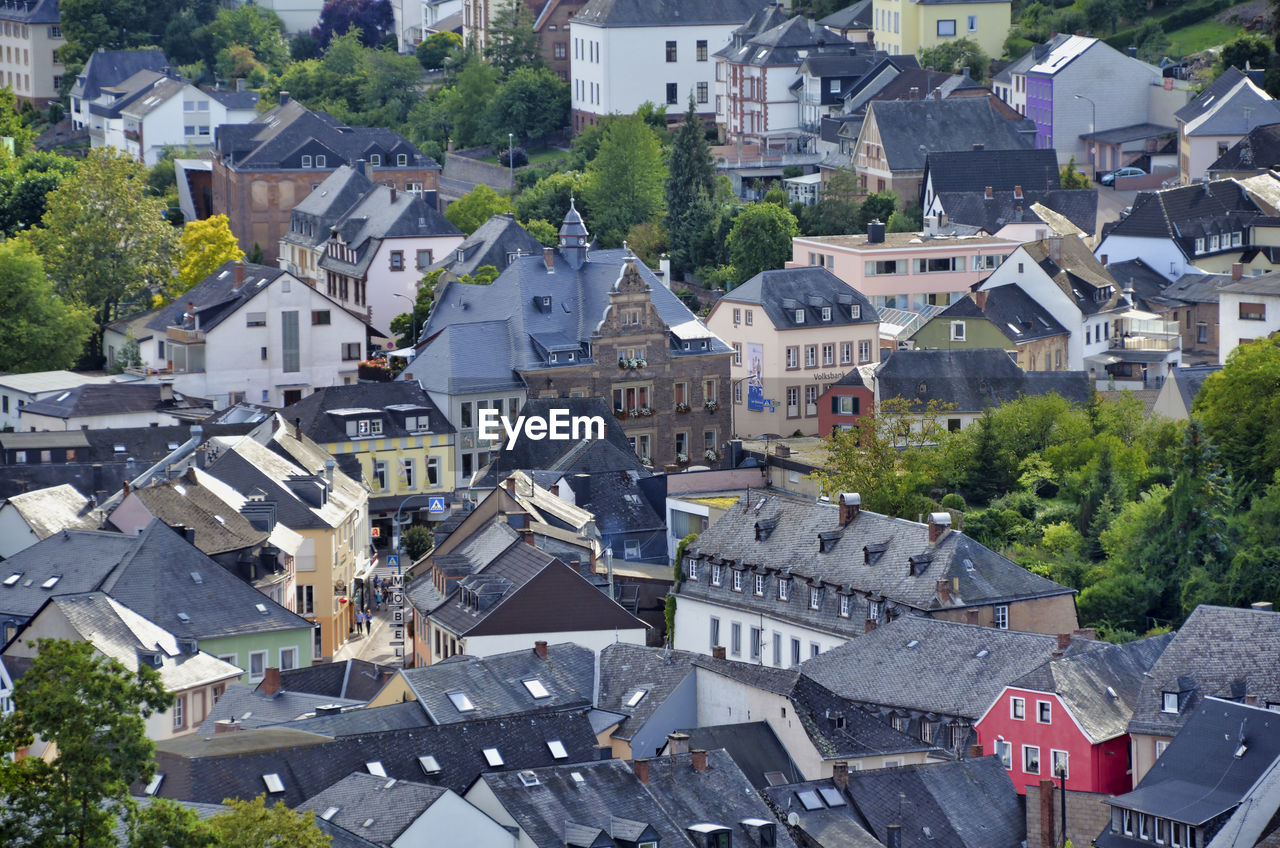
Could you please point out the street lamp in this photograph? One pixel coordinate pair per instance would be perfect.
(398, 542)
(511, 160)
(1061, 772)
(413, 318)
(1093, 132)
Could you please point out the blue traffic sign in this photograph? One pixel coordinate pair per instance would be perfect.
(435, 505)
(393, 561)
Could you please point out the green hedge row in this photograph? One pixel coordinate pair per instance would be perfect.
(1177, 19)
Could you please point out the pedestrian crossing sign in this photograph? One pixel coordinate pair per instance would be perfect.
(435, 505)
(393, 561)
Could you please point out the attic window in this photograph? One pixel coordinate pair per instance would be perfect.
(461, 702)
(577, 777)
(429, 765)
(826, 313)
(529, 778)
(196, 578)
(557, 749)
(13, 578)
(184, 618)
(492, 757)
(261, 608)
(51, 582)
(375, 768)
(913, 643)
(328, 814)
(636, 697)
(1169, 702)
(536, 689)
(273, 782)
(119, 448)
(809, 799)
(832, 796)
(799, 316)
(154, 785)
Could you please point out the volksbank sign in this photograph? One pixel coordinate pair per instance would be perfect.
(559, 426)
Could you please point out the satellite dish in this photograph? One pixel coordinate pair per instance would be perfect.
(793, 819)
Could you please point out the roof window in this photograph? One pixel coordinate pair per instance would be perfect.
(557, 749)
(429, 765)
(262, 608)
(536, 689)
(636, 697)
(461, 702)
(375, 768)
(51, 582)
(529, 778)
(273, 782)
(328, 814)
(13, 578)
(493, 757)
(154, 786)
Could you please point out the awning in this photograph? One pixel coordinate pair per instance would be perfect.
(403, 353)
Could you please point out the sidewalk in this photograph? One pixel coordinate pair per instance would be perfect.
(376, 647)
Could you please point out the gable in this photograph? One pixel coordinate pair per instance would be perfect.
(540, 603)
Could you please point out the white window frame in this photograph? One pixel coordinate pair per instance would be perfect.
(1018, 709)
(957, 331)
(1041, 706)
(1025, 750)
(262, 657)
(737, 580)
(1053, 762)
(291, 649)
(1165, 702)
(759, 587)
(1002, 616)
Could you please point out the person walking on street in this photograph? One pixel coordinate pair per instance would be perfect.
(359, 620)
(368, 621)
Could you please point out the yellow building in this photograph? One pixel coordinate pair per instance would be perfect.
(909, 26)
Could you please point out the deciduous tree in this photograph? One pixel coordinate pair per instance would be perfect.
(1240, 409)
(25, 184)
(761, 239)
(531, 103)
(1071, 176)
(373, 18)
(691, 173)
(476, 207)
(436, 48)
(254, 824)
(202, 247)
(39, 331)
(512, 42)
(624, 182)
(952, 55)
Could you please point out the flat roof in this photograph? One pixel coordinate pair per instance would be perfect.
(899, 241)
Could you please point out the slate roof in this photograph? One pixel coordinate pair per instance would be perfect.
(1218, 651)
(1011, 311)
(94, 399)
(1196, 288)
(883, 669)
(840, 732)
(753, 747)
(377, 808)
(1266, 285)
(849, 64)
(1079, 206)
(1028, 59)
(909, 128)
(80, 559)
(1147, 284)
(48, 510)
(1100, 687)
(838, 826)
(231, 765)
(1189, 379)
(808, 289)
(496, 242)
(625, 669)
(353, 678)
(1002, 170)
(786, 43)
(1187, 212)
(250, 707)
(109, 67)
(721, 794)
(324, 412)
(791, 549)
(471, 357)
(189, 501)
(310, 220)
(362, 721)
(617, 501)
(972, 379)
(1231, 105)
(382, 213)
(231, 98)
(1221, 758)
(855, 16)
(495, 685)
(665, 13)
(127, 96)
(779, 681)
(558, 810)
(1077, 273)
(1258, 151)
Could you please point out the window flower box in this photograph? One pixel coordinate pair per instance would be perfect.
(712, 405)
(682, 407)
(712, 455)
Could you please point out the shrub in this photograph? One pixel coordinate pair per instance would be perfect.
(516, 153)
(955, 502)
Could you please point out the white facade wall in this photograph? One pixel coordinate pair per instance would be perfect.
(1162, 254)
(453, 821)
(18, 390)
(596, 640)
(693, 633)
(1202, 151)
(15, 534)
(1232, 330)
(27, 58)
(723, 700)
(28, 421)
(159, 128)
(384, 283)
(1117, 84)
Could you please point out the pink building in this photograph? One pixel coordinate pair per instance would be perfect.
(904, 270)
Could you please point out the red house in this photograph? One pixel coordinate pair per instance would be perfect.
(1071, 714)
(847, 400)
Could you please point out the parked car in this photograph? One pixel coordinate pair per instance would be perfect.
(1109, 179)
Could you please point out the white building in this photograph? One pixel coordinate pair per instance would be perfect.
(30, 35)
(1248, 310)
(28, 517)
(673, 44)
(18, 390)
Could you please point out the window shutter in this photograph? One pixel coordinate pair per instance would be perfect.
(835, 404)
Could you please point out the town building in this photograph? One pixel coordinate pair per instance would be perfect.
(1191, 302)
(104, 69)
(915, 25)
(1178, 394)
(1219, 117)
(1247, 310)
(847, 400)
(1004, 318)
(18, 390)
(262, 169)
(29, 517)
(498, 242)
(30, 35)
(852, 22)
(1251, 156)
(110, 405)
(794, 333)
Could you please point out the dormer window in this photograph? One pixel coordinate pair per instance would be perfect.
(815, 597)
(759, 584)
(844, 606)
(692, 569)
(716, 574)
(1200, 245)
(1169, 702)
(737, 580)
(375, 159)
(784, 588)
(799, 316)
(826, 313)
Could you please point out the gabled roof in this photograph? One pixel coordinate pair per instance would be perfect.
(109, 67)
(1218, 651)
(1265, 285)
(972, 379)
(1062, 54)
(665, 13)
(1028, 59)
(79, 559)
(840, 732)
(1187, 212)
(895, 665)
(504, 684)
(910, 128)
(357, 722)
(46, 511)
(189, 501)
(1002, 170)
(1147, 284)
(337, 193)
(108, 399)
(1079, 206)
(249, 707)
(627, 670)
(1231, 108)
(1078, 274)
(377, 808)
(469, 357)
(832, 825)
(850, 64)
(785, 43)
(232, 765)
(616, 500)
(856, 16)
(1189, 379)
(808, 289)
(1099, 687)
(496, 242)
(753, 747)
(1011, 311)
(382, 213)
(324, 413)
(231, 98)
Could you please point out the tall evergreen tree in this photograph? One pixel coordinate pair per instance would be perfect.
(513, 43)
(691, 173)
(624, 181)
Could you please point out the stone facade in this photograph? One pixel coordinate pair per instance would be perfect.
(1053, 614)
(632, 332)
(1087, 815)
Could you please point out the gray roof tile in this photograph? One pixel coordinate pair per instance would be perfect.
(496, 242)
(1002, 170)
(627, 669)
(378, 808)
(808, 289)
(973, 380)
(909, 128)
(659, 13)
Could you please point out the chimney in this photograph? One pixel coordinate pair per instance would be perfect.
(226, 725)
(980, 298)
(944, 590)
(240, 84)
(284, 97)
(875, 232)
(869, 625)
(124, 490)
(717, 651)
(1104, 262)
(850, 504)
(549, 258)
(1237, 270)
(1054, 244)
(1048, 818)
(1260, 606)
(840, 773)
(699, 758)
(1090, 633)
(527, 535)
(939, 524)
(393, 194)
(677, 743)
(367, 167)
(915, 93)
(238, 272)
(270, 684)
(540, 648)
(329, 465)
(297, 429)
(1064, 641)
(893, 836)
(1251, 700)
(975, 751)
(989, 193)
(641, 768)
(1017, 192)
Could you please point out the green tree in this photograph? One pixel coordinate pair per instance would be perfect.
(162, 823)
(11, 123)
(25, 184)
(1247, 49)
(691, 174)
(1071, 176)
(128, 356)
(877, 207)
(476, 207)
(624, 183)
(254, 824)
(1240, 409)
(418, 542)
(531, 103)
(548, 198)
(992, 468)
(511, 41)
(94, 711)
(469, 111)
(436, 48)
(202, 248)
(104, 241)
(1102, 14)
(260, 31)
(761, 239)
(950, 56)
(1254, 574)
(909, 220)
(39, 331)
(90, 24)
(544, 231)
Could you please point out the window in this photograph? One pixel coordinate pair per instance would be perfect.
(828, 354)
(380, 474)
(1044, 712)
(793, 401)
(408, 465)
(810, 356)
(946, 28)
(1031, 759)
(759, 584)
(756, 640)
(716, 573)
(255, 319)
(815, 597)
(715, 632)
(375, 159)
(306, 161)
(702, 51)
(671, 51)
(814, 649)
(1253, 312)
(306, 601)
(461, 702)
(1169, 702)
(424, 259)
(846, 405)
(320, 316)
(179, 704)
(257, 665)
(402, 159)
(777, 655)
(735, 639)
(493, 757)
(846, 353)
(793, 358)
(1213, 242)
(673, 93)
(691, 569)
(973, 23)
(864, 351)
(1018, 708)
(1058, 759)
(1144, 826)
(795, 652)
(1004, 750)
(397, 260)
(844, 609)
(703, 92)
(289, 341)
(750, 315)
(1002, 617)
(784, 587)
(350, 350)
(288, 658)
(561, 50)
(810, 401)
(737, 580)
(957, 331)
(1175, 834)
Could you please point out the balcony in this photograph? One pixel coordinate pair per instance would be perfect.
(184, 335)
(1153, 334)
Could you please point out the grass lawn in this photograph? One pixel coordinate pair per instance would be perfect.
(1197, 37)
(536, 157)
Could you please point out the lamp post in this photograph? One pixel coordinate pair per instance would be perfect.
(511, 161)
(413, 319)
(1062, 776)
(398, 542)
(1093, 133)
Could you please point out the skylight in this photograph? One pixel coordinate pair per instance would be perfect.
(528, 778)
(461, 702)
(196, 578)
(273, 782)
(262, 608)
(375, 768)
(13, 578)
(184, 618)
(636, 697)
(174, 446)
(832, 796)
(429, 765)
(51, 582)
(536, 689)
(557, 749)
(492, 757)
(328, 814)
(180, 489)
(64, 396)
(809, 799)
(154, 785)
(913, 643)
(119, 448)
(577, 777)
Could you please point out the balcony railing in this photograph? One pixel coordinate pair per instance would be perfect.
(1146, 342)
(185, 335)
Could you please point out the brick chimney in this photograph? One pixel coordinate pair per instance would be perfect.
(238, 271)
(840, 773)
(1237, 270)
(677, 743)
(980, 298)
(527, 535)
(641, 768)
(1054, 246)
(939, 524)
(1251, 700)
(1048, 818)
(549, 258)
(226, 725)
(989, 192)
(975, 751)
(717, 651)
(850, 505)
(699, 758)
(393, 194)
(270, 684)
(944, 590)
(540, 648)
(869, 625)
(1064, 641)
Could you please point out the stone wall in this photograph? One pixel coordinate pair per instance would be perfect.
(467, 170)
(1087, 815)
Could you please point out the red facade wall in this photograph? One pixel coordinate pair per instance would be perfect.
(829, 418)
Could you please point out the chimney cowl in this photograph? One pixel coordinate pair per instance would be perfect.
(850, 506)
(939, 524)
(677, 743)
